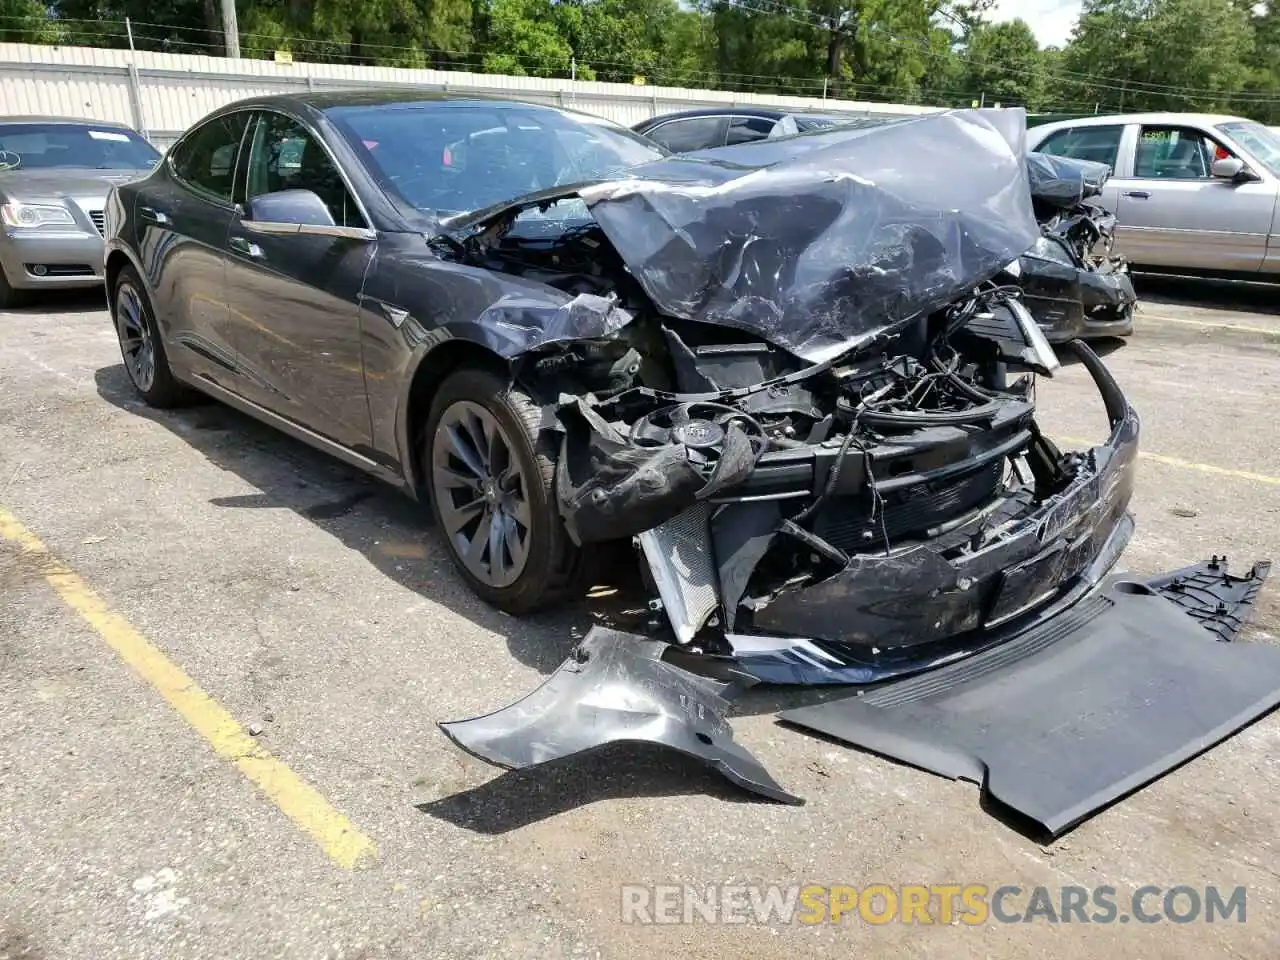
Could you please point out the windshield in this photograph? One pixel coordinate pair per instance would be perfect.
(50, 146)
(1262, 142)
(455, 158)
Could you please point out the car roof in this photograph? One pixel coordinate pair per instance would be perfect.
(83, 121)
(765, 113)
(323, 100)
(1168, 117)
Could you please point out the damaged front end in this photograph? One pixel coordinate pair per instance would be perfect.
(809, 401)
(1071, 282)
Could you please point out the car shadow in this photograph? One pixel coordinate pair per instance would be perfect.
(392, 532)
(519, 798)
(1209, 294)
(46, 302)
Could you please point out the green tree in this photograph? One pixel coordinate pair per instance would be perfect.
(1005, 65)
(525, 38)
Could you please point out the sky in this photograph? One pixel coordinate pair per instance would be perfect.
(1051, 20)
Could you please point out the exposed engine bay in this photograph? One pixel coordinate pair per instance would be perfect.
(806, 392)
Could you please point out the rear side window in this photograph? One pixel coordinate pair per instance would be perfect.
(205, 160)
(1101, 144)
(746, 129)
(695, 133)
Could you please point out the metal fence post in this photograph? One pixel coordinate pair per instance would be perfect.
(135, 100)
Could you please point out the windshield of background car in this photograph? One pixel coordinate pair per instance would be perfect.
(454, 158)
(49, 146)
(1262, 142)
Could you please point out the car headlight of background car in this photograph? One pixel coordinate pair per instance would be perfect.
(35, 215)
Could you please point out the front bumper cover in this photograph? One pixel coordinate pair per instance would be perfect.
(1071, 302)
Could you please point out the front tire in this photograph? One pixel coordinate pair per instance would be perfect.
(141, 346)
(491, 479)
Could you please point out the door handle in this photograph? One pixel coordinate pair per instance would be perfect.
(241, 245)
(1138, 194)
(154, 215)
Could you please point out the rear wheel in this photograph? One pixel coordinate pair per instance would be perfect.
(141, 346)
(492, 493)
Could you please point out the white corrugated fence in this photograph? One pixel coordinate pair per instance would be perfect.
(161, 94)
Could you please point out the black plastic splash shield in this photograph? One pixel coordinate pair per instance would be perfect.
(1217, 600)
(617, 687)
(1072, 716)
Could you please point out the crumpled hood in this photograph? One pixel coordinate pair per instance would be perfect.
(817, 242)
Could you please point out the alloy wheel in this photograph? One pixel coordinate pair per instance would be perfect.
(481, 493)
(137, 343)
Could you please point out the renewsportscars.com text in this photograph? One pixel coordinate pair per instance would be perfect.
(928, 903)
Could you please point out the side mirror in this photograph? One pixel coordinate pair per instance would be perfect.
(1232, 168)
(303, 207)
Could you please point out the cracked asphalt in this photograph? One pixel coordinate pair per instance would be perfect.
(320, 612)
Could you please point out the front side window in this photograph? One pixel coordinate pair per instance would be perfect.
(1175, 153)
(1100, 144)
(694, 133)
(50, 146)
(205, 159)
(447, 159)
(285, 155)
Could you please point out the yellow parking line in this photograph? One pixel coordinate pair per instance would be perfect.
(303, 804)
(1205, 324)
(1187, 464)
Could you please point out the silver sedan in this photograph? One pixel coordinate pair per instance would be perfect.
(55, 174)
(1192, 192)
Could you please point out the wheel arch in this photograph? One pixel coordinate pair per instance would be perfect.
(432, 368)
(117, 259)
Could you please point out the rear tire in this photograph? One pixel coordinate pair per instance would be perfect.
(141, 346)
(492, 484)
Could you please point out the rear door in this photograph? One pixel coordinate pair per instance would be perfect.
(293, 294)
(1173, 212)
(182, 226)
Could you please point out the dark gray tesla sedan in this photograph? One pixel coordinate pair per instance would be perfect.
(785, 370)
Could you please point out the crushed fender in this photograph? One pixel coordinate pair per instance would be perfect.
(619, 687)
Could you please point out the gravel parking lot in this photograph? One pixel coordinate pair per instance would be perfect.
(309, 807)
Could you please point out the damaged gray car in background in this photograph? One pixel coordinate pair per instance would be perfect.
(797, 382)
(796, 379)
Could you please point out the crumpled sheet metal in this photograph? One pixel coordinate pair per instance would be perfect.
(518, 323)
(817, 242)
(1064, 181)
(609, 488)
(617, 687)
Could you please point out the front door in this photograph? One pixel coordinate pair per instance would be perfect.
(293, 297)
(1173, 212)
